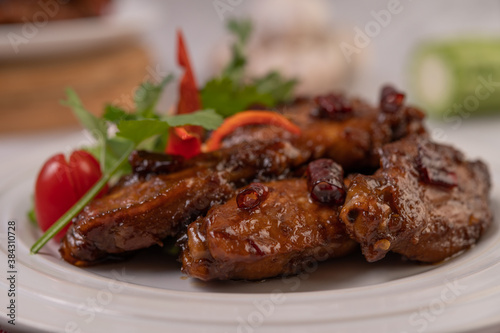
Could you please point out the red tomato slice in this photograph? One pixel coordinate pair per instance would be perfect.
(61, 184)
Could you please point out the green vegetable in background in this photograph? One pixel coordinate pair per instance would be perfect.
(457, 79)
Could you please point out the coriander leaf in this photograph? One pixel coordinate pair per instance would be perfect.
(114, 114)
(277, 86)
(236, 67)
(228, 98)
(140, 130)
(208, 119)
(230, 94)
(96, 126)
(242, 29)
(147, 95)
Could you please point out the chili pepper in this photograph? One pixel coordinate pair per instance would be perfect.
(249, 118)
(185, 140)
(183, 143)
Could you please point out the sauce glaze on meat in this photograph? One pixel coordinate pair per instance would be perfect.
(397, 210)
(146, 207)
(411, 205)
(279, 237)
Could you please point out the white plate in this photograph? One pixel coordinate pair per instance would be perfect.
(27, 40)
(149, 293)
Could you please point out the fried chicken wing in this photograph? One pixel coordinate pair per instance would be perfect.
(279, 237)
(426, 202)
(158, 200)
(142, 210)
(133, 216)
(353, 140)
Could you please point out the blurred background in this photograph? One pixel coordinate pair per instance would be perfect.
(444, 54)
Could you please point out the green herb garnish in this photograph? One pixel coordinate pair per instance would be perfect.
(142, 127)
(230, 92)
(145, 128)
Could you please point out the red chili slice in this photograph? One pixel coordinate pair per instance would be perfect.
(186, 140)
(245, 118)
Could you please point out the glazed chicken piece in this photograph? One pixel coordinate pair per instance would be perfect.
(132, 216)
(144, 209)
(158, 200)
(347, 130)
(426, 202)
(278, 237)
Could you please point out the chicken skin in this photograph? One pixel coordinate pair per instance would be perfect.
(165, 195)
(279, 237)
(426, 202)
(352, 139)
(141, 210)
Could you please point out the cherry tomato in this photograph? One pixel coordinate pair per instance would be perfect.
(60, 184)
